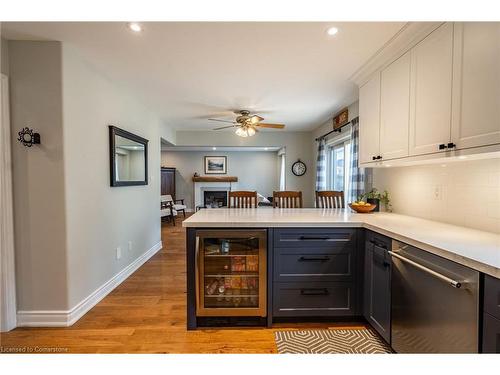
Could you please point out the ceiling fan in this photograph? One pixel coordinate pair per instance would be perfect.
(246, 124)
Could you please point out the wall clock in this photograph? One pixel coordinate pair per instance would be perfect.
(299, 168)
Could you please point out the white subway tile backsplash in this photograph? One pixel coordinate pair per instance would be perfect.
(465, 193)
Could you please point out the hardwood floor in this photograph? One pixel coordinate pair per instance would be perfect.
(147, 314)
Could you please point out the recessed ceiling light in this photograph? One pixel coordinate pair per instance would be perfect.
(135, 27)
(214, 148)
(332, 31)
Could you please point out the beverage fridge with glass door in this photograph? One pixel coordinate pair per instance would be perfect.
(231, 273)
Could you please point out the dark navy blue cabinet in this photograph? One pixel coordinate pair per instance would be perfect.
(491, 316)
(377, 284)
(314, 272)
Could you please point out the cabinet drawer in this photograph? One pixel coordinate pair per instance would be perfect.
(492, 296)
(317, 264)
(313, 299)
(314, 237)
(491, 334)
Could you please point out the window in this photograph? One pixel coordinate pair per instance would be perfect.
(338, 164)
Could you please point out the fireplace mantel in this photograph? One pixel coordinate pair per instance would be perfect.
(215, 179)
(212, 183)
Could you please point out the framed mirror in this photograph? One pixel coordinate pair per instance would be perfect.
(128, 155)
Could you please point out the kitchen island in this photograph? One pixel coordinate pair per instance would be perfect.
(473, 248)
(328, 264)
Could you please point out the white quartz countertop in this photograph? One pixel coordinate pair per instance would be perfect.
(473, 248)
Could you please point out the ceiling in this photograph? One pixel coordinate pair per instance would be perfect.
(289, 72)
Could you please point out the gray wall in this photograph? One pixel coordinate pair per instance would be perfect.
(38, 176)
(68, 220)
(99, 217)
(4, 60)
(297, 146)
(256, 170)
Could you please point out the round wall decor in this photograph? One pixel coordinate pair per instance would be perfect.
(299, 168)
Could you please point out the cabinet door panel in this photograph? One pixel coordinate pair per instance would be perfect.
(377, 285)
(314, 237)
(492, 296)
(377, 302)
(430, 98)
(314, 299)
(395, 109)
(476, 84)
(491, 334)
(369, 119)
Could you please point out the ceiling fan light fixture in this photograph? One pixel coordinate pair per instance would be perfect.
(251, 131)
(241, 132)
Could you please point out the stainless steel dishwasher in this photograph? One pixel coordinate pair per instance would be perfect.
(435, 303)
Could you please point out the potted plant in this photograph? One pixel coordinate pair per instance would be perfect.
(375, 197)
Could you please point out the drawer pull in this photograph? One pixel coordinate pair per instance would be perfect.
(314, 292)
(311, 259)
(314, 238)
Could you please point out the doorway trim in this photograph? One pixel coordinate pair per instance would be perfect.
(8, 306)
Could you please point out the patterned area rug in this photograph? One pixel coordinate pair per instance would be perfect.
(330, 341)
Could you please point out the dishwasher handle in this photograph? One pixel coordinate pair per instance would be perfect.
(454, 283)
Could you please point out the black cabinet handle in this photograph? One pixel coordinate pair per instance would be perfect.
(314, 238)
(374, 158)
(442, 146)
(314, 292)
(379, 157)
(451, 145)
(312, 259)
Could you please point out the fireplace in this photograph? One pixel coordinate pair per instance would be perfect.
(215, 198)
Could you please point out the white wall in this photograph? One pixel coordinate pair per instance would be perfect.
(297, 146)
(99, 217)
(470, 192)
(257, 170)
(38, 176)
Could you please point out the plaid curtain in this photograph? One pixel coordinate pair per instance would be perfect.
(321, 166)
(357, 183)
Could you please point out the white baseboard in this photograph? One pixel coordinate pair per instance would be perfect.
(61, 318)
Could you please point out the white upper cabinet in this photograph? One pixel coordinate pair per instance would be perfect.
(439, 96)
(476, 84)
(369, 120)
(395, 109)
(431, 86)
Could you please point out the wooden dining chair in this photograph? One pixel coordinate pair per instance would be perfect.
(330, 199)
(242, 199)
(287, 199)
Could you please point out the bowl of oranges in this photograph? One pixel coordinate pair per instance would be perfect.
(362, 207)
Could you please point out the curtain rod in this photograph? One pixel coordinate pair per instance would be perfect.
(354, 121)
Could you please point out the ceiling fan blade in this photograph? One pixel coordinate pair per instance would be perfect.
(225, 127)
(216, 119)
(271, 126)
(255, 119)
